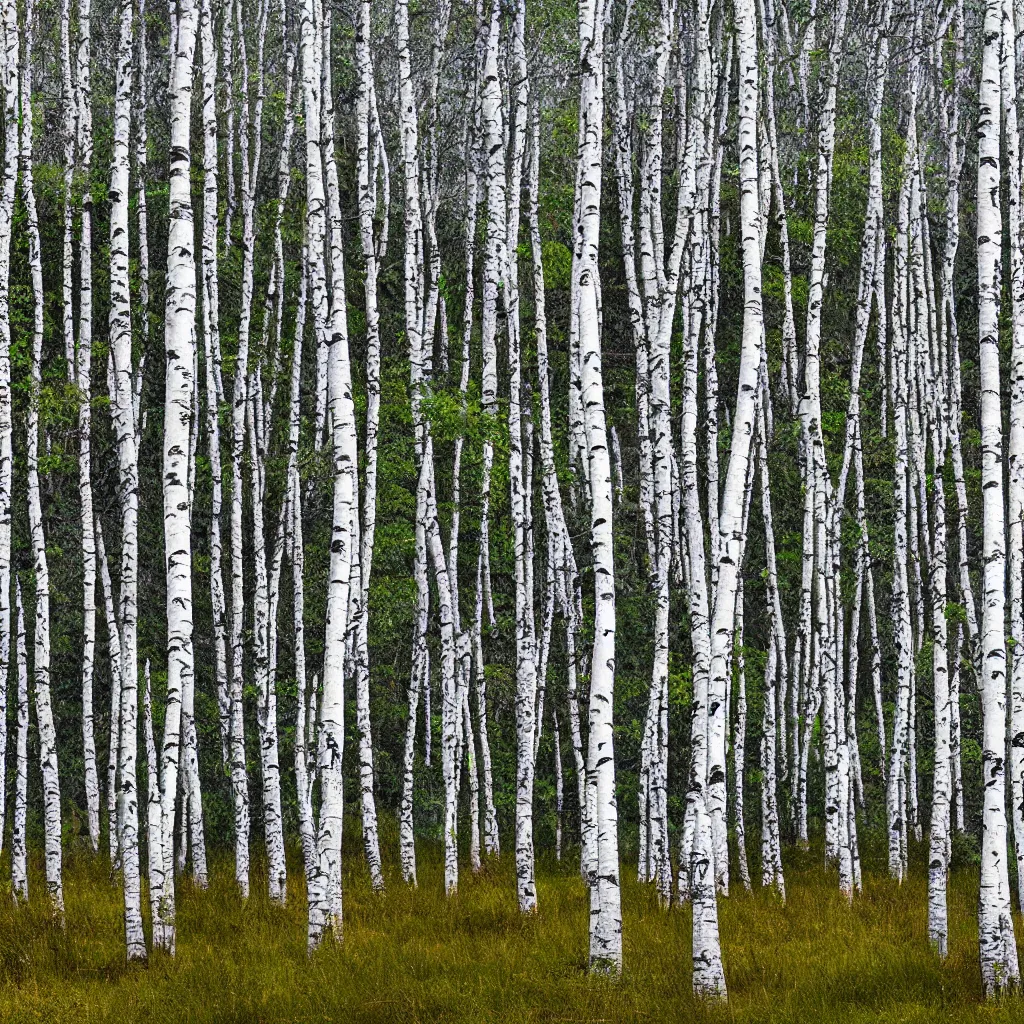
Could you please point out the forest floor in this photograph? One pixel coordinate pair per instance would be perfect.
(414, 956)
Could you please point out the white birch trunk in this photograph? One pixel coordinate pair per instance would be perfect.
(83, 365)
(179, 348)
(211, 357)
(774, 717)
(19, 843)
(999, 964)
(325, 891)
(266, 708)
(373, 246)
(125, 417)
(605, 900)
(41, 660)
(249, 152)
(1015, 460)
(154, 822)
(296, 554)
(10, 75)
(520, 476)
(18, 838)
(708, 973)
(938, 847)
(731, 518)
(116, 656)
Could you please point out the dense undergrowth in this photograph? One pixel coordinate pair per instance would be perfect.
(414, 956)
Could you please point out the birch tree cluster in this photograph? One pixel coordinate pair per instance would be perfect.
(585, 432)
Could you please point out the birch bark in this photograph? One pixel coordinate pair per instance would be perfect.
(83, 364)
(605, 900)
(999, 964)
(212, 359)
(179, 348)
(731, 518)
(10, 75)
(125, 418)
(325, 903)
(19, 844)
(41, 660)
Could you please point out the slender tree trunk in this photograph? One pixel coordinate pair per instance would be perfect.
(774, 718)
(211, 357)
(10, 75)
(999, 965)
(303, 778)
(519, 462)
(374, 247)
(605, 905)
(325, 903)
(115, 654)
(179, 347)
(125, 417)
(83, 365)
(41, 660)
(19, 838)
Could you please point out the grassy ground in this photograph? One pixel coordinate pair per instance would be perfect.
(413, 956)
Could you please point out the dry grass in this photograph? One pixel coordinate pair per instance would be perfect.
(413, 956)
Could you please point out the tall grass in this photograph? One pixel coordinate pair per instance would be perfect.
(415, 956)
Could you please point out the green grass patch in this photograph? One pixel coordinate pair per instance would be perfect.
(415, 956)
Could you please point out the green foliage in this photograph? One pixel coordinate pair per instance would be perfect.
(557, 265)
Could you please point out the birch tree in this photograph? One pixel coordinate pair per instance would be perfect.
(325, 895)
(19, 839)
(372, 173)
(605, 900)
(41, 653)
(10, 71)
(125, 419)
(179, 348)
(212, 360)
(999, 965)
